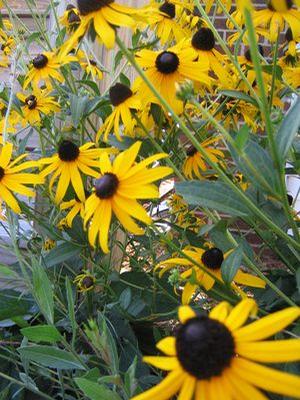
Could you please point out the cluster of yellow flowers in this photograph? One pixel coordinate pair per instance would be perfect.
(181, 56)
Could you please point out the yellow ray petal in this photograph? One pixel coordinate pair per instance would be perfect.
(221, 311)
(188, 292)
(164, 363)
(267, 378)
(188, 388)
(165, 389)
(185, 313)
(105, 218)
(167, 346)
(267, 326)
(249, 280)
(270, 351)
(241, 313)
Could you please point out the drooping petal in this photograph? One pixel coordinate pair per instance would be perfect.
(185, 313)
(221, 311)
(164, 363)
(187, 389)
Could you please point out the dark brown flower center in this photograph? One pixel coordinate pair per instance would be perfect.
(70, 7)
(73, 18)
(31, 102)
(106, 186)
(248, 54)
(168, 8)
(289, 35)
(167, 62)
(205, 347)
(40, 61)
(88, 6)
(68, 151)
(87, 282)
(191, 151)
(93, 62)
(203, 39)
(2, 173)
(119, 93)
(213, 258)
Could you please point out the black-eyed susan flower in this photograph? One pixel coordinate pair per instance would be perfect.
(89, 65)
(12, 178)
(36, 104)
(76, 207)
(203, 42)
(66, 165)
(46, 66)
(70, 18)
(219, 357)
(103, 16)
(85, 282)
(169, 67)
(194, 164)
(274, 17)
(123, 100)
(165, 22)
(117, 190)
(211, 260)
(292, 42)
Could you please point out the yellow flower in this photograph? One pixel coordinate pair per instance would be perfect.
(166, 22)
(116, 190)
(89, 65)
(203, 43)
(168, 67)
(66, 164)
(276, 15)
(36, 104)
(195, 164)
(124, 100)
(12, 180)
(210, 260)
(70, 18)
(49, 244)
(103, 15)
(216, 357)
(85, 282)
(46, 66)
(77, 207)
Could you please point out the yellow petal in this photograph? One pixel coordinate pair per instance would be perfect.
(267, 326)
(188, 292)
(241, 313)
(167, 346)
(188, 387)
(270, 351)
(220, 312)
(164, 363)
(185, 313)
(267, 378)
(165, 389)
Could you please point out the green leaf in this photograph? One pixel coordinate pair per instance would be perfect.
(231, 265)
(71, 306)
(236, 94)
(94, 391)
(77, 107)
(262, 165)
(125, 298)
(42, 333)
(242, 137)
(50, 357)
(61, 253)
(12, 305)
(43, 291)
(214, 195)
(288, 130)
